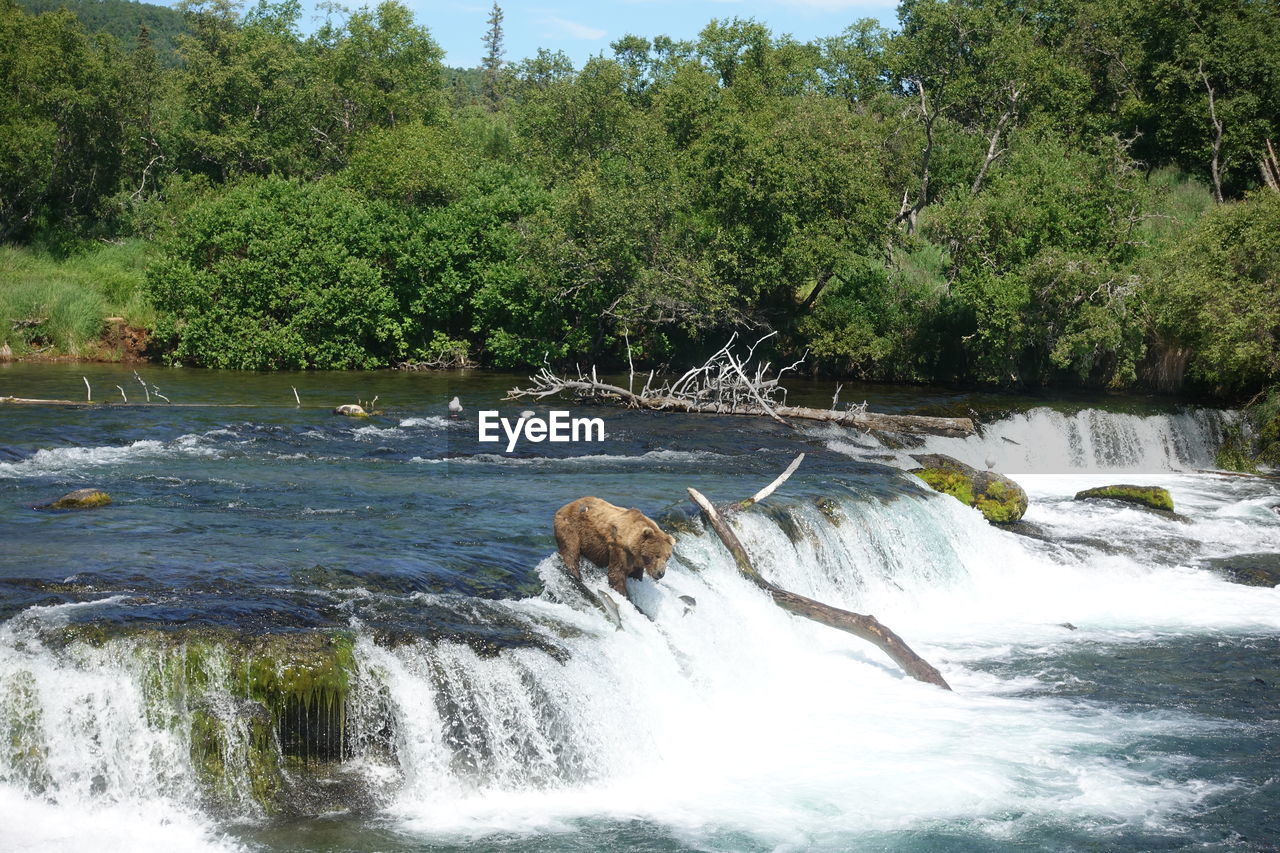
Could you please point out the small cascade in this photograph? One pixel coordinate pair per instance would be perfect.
(1046, 441)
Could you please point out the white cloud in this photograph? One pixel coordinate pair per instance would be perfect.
(573, 29)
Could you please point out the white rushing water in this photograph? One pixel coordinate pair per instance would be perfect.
(1047, 441)
(731, 723)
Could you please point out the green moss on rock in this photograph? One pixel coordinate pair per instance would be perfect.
(80, 499)
(830, 508)
(1154, 497)
(999, 499)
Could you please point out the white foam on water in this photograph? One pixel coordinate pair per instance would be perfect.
(373, 433)
(70, 460)
(585, 459)
(431, 421)
(34, 825)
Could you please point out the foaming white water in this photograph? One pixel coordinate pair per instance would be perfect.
(64, 460)
(430, 421)
(1043, 440)
(89, 762)
(735, 716)
(731, 719)
(31, 824)
(586, 459)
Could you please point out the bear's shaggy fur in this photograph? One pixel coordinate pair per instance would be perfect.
(624, 542)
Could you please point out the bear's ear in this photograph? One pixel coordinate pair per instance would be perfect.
(646, 533)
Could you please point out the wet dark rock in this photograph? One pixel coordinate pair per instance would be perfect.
(830, 508)
(1028, 529)
(997, 497)
(1152, 497)
(79, 499)
(1248, 569)
(897, 440)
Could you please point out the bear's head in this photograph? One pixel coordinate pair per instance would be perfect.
(651, 551)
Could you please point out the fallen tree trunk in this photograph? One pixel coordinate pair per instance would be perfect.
(726, 385)
(28, 401)
(867, 627)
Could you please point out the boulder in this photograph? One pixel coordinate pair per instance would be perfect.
(351, 410)
(997, 497)
(1152, 497)
(80, 499)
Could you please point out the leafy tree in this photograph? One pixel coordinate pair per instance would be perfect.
(62, 129)
(1039, 267)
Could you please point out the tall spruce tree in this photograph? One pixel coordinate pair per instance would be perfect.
(492, 62)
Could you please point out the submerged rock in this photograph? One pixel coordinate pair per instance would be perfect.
(79, 499)
(1248, 569)
(351, 410)
(1154, 497)
(998, 498)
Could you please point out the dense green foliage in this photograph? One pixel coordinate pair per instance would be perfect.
(1014, 193)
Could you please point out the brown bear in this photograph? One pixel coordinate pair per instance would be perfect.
(624, 542)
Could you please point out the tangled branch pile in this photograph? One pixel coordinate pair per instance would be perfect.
(726, 384)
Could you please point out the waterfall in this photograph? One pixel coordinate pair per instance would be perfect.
(692, 716)
(1046, 441)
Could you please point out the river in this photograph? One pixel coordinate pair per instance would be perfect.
(294, 631)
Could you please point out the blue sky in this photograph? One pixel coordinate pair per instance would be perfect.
(582, 29)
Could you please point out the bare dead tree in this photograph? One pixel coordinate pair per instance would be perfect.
(1271, 168)
(1215, 169)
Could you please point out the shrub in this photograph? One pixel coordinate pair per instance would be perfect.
(280, 274)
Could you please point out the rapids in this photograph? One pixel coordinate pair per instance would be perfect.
(392, 584)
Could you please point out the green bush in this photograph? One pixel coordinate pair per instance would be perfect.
(280, 274)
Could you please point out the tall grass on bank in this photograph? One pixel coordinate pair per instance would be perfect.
(59, 306)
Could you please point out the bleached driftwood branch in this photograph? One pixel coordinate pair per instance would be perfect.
(726, 384)
(865, 626)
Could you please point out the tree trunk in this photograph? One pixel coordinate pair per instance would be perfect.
(867, 627)
(1215, 168)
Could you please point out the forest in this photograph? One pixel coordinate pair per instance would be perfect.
(1017, 193)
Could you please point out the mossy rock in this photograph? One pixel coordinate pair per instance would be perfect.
(351, 410)
(79, 499)
(266, 714)
(1152, 497)
(830, 508)
(999, 499)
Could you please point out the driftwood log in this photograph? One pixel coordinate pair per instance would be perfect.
(728, 385)
(867, 627)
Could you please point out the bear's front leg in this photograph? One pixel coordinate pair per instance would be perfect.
(618, 570)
